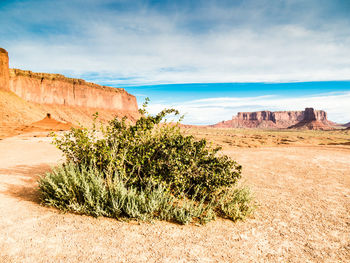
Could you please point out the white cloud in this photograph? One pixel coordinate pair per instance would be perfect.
(180, 41)
(216, 41)
(166, 55)
(213, 110)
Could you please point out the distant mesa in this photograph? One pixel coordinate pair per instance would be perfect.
(347, 125)
(308, 119)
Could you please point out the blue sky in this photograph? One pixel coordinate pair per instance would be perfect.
(209, 58)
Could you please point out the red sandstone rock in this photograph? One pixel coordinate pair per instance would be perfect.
(4, 69)
(46, 124)
(57, 89)
(311, 125)
(309, 118)
(313, 120)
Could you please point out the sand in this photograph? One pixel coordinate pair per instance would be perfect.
(303, 213)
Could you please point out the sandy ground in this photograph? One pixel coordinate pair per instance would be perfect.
(255, 138)
(303, 216)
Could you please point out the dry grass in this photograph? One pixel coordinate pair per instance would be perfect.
(253, 138)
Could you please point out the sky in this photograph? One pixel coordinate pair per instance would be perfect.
(209, 59)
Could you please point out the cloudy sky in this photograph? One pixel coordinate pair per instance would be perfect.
(208, 58)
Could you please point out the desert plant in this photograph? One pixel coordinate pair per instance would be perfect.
(150, 151)
(86, 191)
(145, 170)
(235, 203)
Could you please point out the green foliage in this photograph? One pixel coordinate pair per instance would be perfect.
(236, 203)
(144, 170)
(86, 191)
(150, 151)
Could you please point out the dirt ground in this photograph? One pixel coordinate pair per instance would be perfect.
(303, 213)
(254, 138)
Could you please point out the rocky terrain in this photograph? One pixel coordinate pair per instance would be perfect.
(48, 124)
(307, 119)
(26, 97)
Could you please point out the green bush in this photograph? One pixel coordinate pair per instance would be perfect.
(141, 170)
(235, 203)
(150, 151)
(86, 191)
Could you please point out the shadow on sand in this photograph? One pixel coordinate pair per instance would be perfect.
(21, 181)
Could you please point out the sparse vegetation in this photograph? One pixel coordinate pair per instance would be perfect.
(86, 191)
(145, 171)
(255, 138)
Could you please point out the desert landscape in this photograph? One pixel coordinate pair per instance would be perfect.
(300, 177)
(302, 194)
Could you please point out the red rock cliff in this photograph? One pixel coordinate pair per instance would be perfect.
(57, 89)
(4, 69)
(277, 119)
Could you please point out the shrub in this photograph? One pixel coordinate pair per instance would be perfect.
(86, 191)
(236, 203)
(148, 151)
(144, 170)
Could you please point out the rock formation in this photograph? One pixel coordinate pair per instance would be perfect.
(46, 124)
(279, 119)
(4, 69)
(57, 89)
(313, 120)
(26, 97)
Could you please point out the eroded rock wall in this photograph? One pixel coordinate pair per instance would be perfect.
(4, 69)
(56, 89)
(277, 119)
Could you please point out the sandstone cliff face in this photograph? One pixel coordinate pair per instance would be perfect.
(55, 89)
(277, 119)
(4, 69)
(16, 112)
